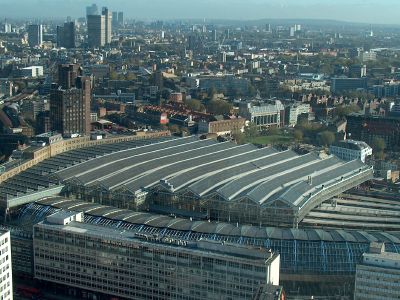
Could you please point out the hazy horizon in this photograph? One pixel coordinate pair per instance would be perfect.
(360, 11)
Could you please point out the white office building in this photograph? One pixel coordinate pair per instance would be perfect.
(294, 111)
(32, 72)
(6, 287)
(351, 150)
(263, 113)
(378, 276)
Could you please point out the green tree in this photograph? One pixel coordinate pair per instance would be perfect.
(219, 107)
(379, 145)
(298, 135)
(194, 105)
(252, 90)
(211, 92)
(239, 137)
(327, 137)
(251, 130)
(273, 131)
(113, 75)
(130, 76)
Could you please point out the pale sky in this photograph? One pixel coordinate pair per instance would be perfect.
(365, 11)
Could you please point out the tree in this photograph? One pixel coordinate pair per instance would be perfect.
(211, 92)
(298, 135)
(378, 144)
(327, 137)
(113, 75)
(273, 131)
(130, 76)
(251, 130)
(194, 104)
(239, 137)
(252, 90)
(173, 128)
(219, 107)
(342, 111)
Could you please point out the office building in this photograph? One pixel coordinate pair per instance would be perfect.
(294, 111)
(227, 84)
(222, 57)
(99, 28)
(117, 19)
(340, 84)
(107, 24)
(378, 275)
(70, 102)
(92, 10)
(6, 283)
(35, 35)
(368, 56)
(7, 28)
(6, 88)
(43, 122)
(366, 128)
(358, 71)
(214, 35)
(66, 35)
(96, 30)
(350, 150)
(120, 18)
(114, 19)
(264, 114)
(121, 263)
(32, 72)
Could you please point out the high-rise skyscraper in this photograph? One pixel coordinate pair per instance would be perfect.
(96, 30)
(70, 101)
(35, 35)
(108, 24)
(66, 35)
(92, 10)
(99, 28)
(115, 19)
(214, 35)
(121, 18)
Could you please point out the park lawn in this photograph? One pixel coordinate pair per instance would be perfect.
(271, 139)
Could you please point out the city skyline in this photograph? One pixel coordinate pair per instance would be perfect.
(341, 10)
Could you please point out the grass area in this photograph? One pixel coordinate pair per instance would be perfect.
(270, 139)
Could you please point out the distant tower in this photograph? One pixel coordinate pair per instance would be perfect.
(227, 34)
(35, 35)
(66, 35)
(92, 10)
(121, 18)
(96, 30)
(115, 19)
(108, 24)
(214, 35)
(371, 32)
(223, 57)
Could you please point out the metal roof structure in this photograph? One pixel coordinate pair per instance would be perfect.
(303, 251)
(37, 179)
(180, 224)
(206, 168)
